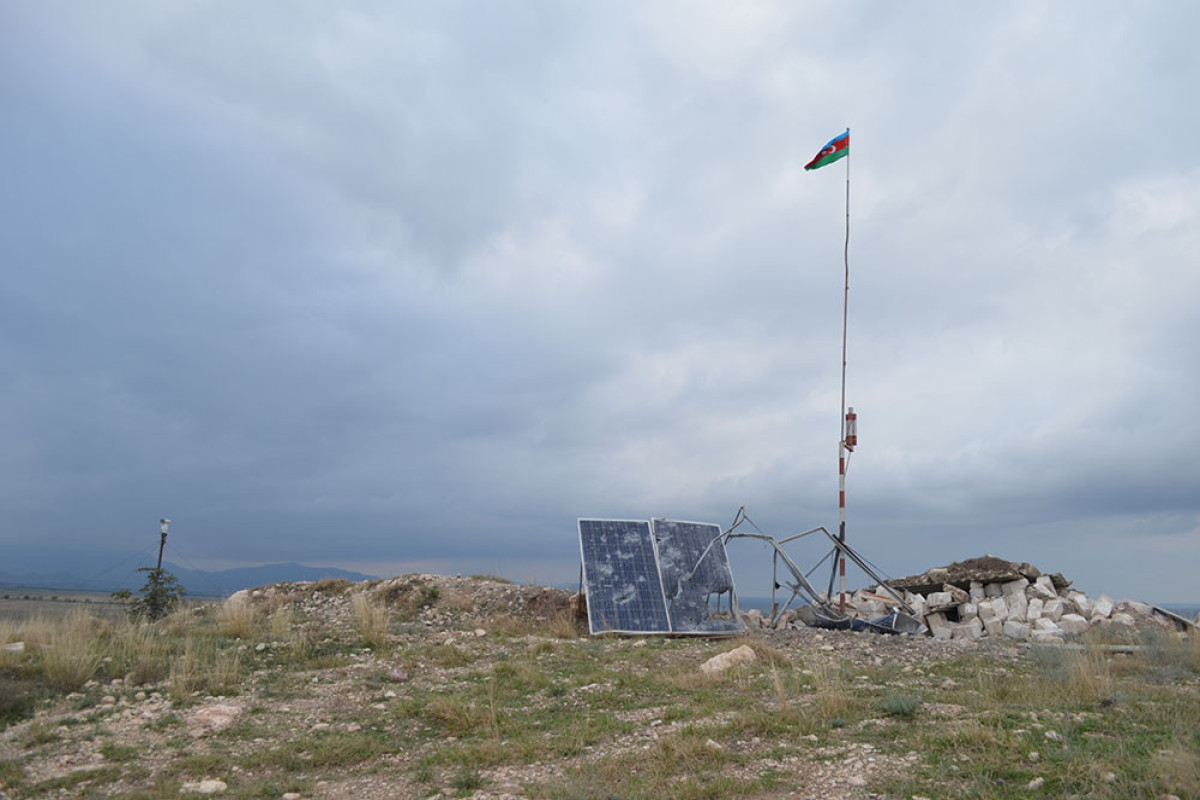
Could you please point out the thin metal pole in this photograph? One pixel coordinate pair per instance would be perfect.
(842, 438)
(163, 523)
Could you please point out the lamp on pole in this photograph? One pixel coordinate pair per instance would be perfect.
(162, 524)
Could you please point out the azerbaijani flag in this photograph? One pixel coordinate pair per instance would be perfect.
(838, 146)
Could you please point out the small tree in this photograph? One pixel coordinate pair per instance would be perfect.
(160, 594)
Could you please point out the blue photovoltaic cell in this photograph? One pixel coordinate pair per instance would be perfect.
(694, 566)
(621, 578)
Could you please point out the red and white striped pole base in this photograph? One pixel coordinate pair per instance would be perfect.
(848, 443)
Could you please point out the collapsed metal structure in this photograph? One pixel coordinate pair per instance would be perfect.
(660, 577)
(824, 613)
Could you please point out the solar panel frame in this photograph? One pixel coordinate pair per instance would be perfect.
(694, 565)
(622, 578)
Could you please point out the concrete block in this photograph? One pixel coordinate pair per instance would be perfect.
(1016, 630)
(871, 609)
(959, 595)
(1053, 609)
(1072, 624)
(1018, 606)
(1082, 603)
(939, 601)
(970, 631)
(1043, 587)
(939, 626)
(993, 608)
(1135, 608)
(1014, 587)
(1034, 611)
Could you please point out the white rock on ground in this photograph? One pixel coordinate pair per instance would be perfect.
(1072, 624)
(723, 661)
(204, 787)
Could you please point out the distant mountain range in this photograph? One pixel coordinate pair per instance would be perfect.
(197, 582)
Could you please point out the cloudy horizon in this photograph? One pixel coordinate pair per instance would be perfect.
(412, 287)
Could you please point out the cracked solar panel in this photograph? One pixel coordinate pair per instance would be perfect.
(694, 566)
(621, 577)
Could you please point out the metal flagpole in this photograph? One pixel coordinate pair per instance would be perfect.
(842, 437)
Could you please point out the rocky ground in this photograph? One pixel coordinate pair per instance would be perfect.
(357, 696)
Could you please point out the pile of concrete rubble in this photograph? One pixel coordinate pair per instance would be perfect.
(991, 597)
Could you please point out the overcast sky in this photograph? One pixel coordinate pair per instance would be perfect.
(413, 286)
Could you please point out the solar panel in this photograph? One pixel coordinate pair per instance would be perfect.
(694, 566)
(620, 573)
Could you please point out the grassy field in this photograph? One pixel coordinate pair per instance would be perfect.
(397, 694)
(24, 603)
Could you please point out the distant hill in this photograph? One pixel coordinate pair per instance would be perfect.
(198, 583)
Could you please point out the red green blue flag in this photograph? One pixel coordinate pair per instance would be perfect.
(838, 146)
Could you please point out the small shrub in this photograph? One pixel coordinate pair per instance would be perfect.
(897, 704)
(39, 734)
(491, 578)
(467, 781)
(119, 753)
(18, 699)
(409, 596)
(157, 598)
(332, 586)
(12, 774)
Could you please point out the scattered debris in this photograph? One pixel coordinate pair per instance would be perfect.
(990, 597)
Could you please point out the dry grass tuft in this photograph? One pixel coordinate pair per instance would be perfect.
(237, 618)
(370, 620)
(203, 668)
(831, 700)
(142, 651)
(767, 652)
(1177, 770)
(70, 655)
